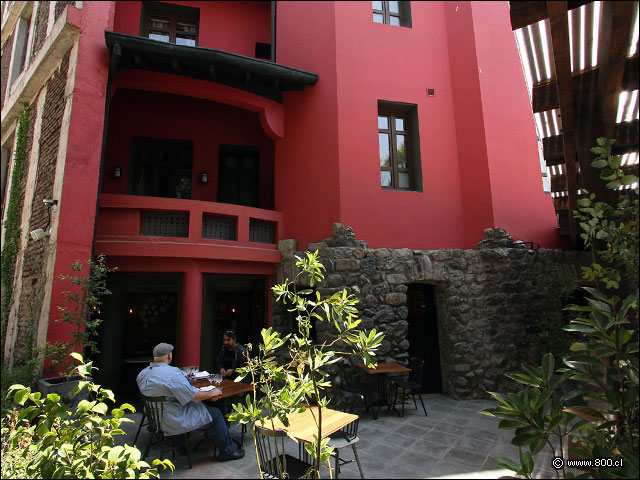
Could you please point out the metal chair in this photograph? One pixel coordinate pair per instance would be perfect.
(412, 384)
(348, 435)
(350, 386)
(154, 407)
(266, 442)
(143, 421)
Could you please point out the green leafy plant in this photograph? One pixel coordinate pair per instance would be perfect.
(57, 443)
(12, 221)
(300, 377)
(81, 311)
(604, 359)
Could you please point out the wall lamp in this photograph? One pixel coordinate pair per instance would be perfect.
(40, 233)
(117, 172)
(204, 178)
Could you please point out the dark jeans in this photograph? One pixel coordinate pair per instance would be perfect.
(217, 429)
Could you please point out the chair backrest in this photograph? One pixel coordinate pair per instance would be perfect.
(347, 378)
(267, 450)
(154, 408)
(345, 402)
(416, 365)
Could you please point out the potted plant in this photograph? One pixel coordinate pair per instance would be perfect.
(82, 312)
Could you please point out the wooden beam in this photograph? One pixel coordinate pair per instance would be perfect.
(525, 13)
(175, 63)
(560, 41)
(626, 135)
(611, 72)
(544, 96)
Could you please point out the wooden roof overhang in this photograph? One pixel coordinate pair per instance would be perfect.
(582, 100)
(257, 76)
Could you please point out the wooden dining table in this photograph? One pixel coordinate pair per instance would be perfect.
(229, 387)
(381, 371)
(302, 426)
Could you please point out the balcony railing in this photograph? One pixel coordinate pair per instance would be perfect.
(176, 227)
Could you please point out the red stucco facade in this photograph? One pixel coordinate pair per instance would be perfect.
(318, 147)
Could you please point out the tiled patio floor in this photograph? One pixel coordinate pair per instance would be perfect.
(454, 441)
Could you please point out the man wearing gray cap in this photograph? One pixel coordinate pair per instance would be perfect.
(183, 407)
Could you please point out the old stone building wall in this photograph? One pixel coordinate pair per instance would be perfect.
(40, 29)
(60, 6)
(5, 63)
(483, 297)
(35, 252)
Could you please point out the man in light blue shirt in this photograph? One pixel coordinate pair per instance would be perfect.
(184, 410)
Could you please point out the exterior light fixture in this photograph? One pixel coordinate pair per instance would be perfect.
(131, 311)
(117, 172)
(204, 178)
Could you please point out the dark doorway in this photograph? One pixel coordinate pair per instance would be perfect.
(231, 302)
(423, 334)
(238, 175)
(142, 311)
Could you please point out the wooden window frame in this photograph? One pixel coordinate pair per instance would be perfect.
(173, 14)
(409, 113)
(395, 170)
(403, 15)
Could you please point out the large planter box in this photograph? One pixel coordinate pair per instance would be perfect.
(63, 387)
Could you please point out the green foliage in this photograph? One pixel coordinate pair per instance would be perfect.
(12, 222)
(610, 230)
(82, 311)
(286, 385)
(604, 360)
(57, 443)
(552, 290)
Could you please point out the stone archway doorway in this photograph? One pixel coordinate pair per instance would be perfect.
(423, 333)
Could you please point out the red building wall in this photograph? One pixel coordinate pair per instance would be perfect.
(230, 26)
(208, 124)
(479, 153)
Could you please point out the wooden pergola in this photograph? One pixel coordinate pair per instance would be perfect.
(583, 69)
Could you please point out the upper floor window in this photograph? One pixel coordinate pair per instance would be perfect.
(398, 147)
(397, 13)
(171, 23)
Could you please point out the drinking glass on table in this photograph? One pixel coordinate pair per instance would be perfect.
(217, 379)
(212, 378)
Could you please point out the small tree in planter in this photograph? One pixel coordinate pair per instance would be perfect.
(301, 376)
(82, 312)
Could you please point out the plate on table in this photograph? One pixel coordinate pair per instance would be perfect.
(202, 374)
(207, 388)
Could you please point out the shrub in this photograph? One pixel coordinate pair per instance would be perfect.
(65, 444)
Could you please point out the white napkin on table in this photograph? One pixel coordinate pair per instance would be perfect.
(206, 389)
(201, 374)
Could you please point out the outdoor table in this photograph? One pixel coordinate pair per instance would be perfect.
(302, 426)
(381, 371)
(229, 387)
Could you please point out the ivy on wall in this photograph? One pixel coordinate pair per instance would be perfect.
(12, 223)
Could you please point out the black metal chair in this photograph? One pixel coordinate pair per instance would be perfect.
(266, 442)
(352, 387)
(348, 435)
(154, 407)
(412, 385)
(143, 421)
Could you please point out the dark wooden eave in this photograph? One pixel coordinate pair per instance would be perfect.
(257, 76)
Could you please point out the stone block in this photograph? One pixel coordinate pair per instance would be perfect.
(358, 253)
(334, 280)
(395, 279)
(288, 246)
(316, 246)
(395, 299)
(343, 265)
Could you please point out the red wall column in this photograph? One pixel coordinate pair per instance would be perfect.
(191, 317)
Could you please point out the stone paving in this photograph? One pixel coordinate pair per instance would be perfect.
(453, 441)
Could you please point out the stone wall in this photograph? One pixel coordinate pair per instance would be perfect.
(5, 62)
(36, 252)
(483, 297)
(40, 33)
